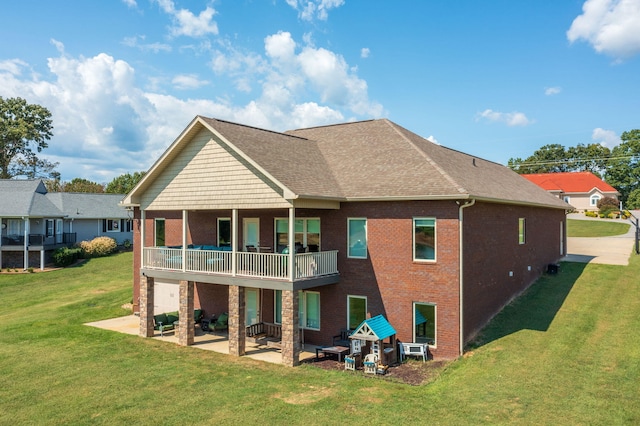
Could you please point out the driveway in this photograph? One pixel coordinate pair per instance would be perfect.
(604, 250)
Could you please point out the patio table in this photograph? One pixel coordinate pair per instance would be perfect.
(338, 350)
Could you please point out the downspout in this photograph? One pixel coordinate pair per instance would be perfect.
(461, 268)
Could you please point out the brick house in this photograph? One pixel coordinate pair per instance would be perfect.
(318, 229)
(35, 222)
(582, 190)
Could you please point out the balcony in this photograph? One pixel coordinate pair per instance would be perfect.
(38, 241)
(249, 265)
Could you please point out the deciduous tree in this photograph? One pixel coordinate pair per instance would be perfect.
(24, 131)
(124, 183)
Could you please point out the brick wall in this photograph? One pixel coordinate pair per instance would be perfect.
(496, 267)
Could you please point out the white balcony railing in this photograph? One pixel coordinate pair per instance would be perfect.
(248, 264)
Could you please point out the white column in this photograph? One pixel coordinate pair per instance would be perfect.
(26, 243)
(143, 218)
(185, 219)
(234, 241)
(42, 260)
(292, 243)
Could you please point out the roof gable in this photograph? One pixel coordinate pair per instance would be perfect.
(372, 329)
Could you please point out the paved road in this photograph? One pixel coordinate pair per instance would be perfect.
(604, 250)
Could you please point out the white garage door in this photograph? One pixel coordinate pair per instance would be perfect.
(166, 296)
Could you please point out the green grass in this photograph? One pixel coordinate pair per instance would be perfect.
(595, 228)
(567, 352)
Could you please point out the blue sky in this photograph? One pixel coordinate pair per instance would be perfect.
(497, 79)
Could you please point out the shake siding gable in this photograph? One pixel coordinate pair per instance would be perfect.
(206, 175)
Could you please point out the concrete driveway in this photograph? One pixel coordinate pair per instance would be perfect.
(604, 250)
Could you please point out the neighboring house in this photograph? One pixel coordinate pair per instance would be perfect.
(318, 229)
(36, 222)
(582, 190)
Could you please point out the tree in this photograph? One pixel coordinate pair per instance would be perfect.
(82, 185)
(548, 159)
(633, 201)
(123, 184)
(623, 172)
(23, 128)
(589, 158)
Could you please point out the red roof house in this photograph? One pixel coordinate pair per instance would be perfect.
(582, 190)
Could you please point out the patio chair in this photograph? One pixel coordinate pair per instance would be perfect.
(370, 363)
(221, 323)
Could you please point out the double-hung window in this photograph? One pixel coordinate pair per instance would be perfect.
(424, 239)
(357, 238)
(112, 225)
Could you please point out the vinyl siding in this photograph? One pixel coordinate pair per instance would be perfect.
(205, 175)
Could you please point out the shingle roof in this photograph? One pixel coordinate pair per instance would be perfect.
(366, 160)
(570, 182)
(29, 198)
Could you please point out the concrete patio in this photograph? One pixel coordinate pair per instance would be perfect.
(209, 341)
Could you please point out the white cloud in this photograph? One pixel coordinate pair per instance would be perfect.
(107, 123)
(607, 138)
(509, 118)
(138, 42)
(188, 82)
(130, 3)
(550, 91)
(187, 23)
(365, 52)
(432, 139)
(310, 9)
(610, 26)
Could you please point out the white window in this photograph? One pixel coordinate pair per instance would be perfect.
(159, 240)
(224, 232)
(357, 238)
(112, 225)
(424, 239)
(15, 227)
(522, 231)
(424, 323)
(356, 311)
(50, 227)
(307, 234)
(309, 310)
(594, 199)
(567, 199)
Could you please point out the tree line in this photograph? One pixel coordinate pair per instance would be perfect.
(619, 167)
(24, 131)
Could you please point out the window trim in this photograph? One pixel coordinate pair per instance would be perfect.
(366, 306)
(305, 234)
(223, 219)
(435, 240)
(109, 225)
(155, 231)
(302, 309)
(593, 200)
(522, 230)
(366, 237)
(435, 322)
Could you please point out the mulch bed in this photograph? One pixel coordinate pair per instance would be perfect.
(411, 372)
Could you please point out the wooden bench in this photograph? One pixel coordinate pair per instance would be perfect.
(265, 333)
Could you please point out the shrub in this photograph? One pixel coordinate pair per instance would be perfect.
(590, 214)
(65, 256)
(98, 247)
(607, 205)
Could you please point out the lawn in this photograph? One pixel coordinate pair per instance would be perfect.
(595, 228)
(566, 352)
